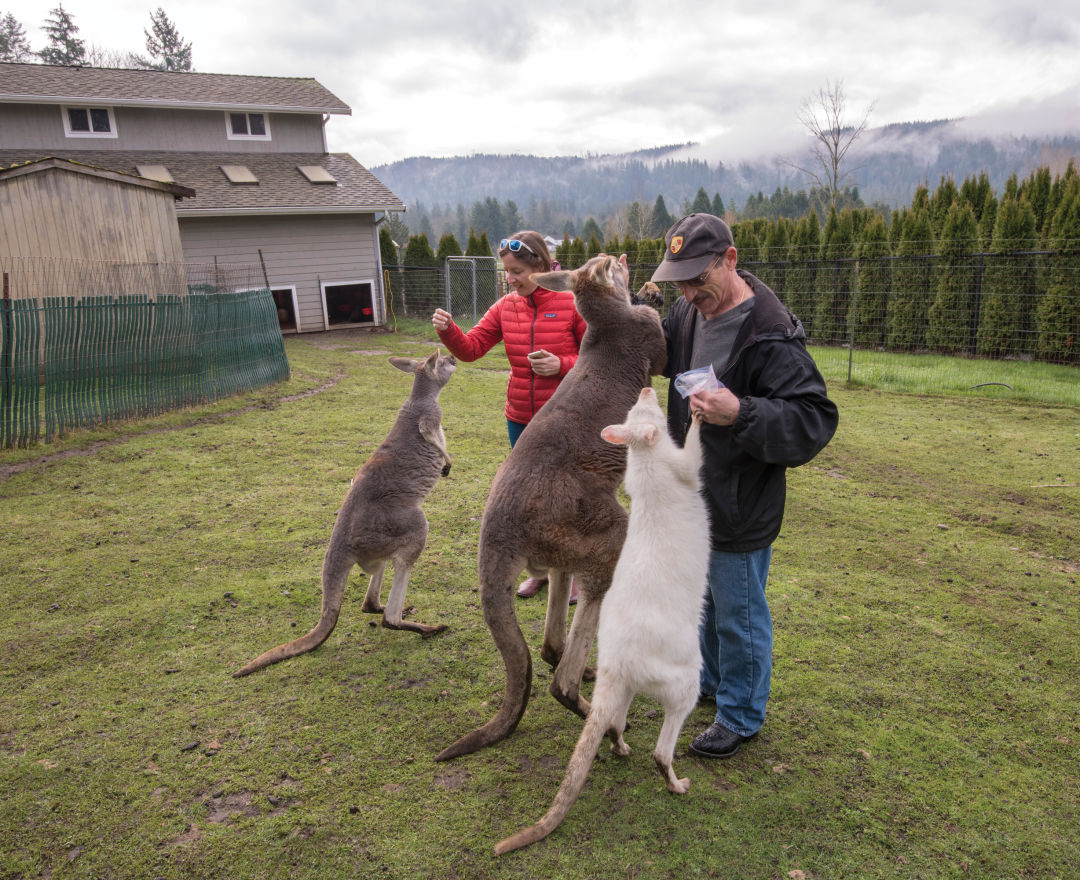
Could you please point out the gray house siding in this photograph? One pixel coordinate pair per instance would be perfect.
(41, 127)
(302, 251)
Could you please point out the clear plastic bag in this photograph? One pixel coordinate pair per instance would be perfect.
(693, 381)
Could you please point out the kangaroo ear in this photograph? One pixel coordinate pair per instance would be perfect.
(406, 365)
(561, 279)
(431, 362)
(649, 434)
(616, 434)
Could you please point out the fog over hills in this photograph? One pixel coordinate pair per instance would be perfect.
(886, 163)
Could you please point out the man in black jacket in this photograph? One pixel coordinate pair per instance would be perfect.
(771, 413)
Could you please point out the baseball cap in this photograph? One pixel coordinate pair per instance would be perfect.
(691, 244)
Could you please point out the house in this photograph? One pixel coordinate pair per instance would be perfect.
(253, 149)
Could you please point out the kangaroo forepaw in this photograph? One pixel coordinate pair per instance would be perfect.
(446, 470)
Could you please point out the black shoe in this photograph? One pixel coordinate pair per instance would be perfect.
(717, 742)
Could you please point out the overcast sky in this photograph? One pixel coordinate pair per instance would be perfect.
(455, 77)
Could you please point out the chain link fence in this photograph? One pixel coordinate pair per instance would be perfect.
(1005, 324)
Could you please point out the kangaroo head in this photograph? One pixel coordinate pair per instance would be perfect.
(437, 366)
(644, 423)
(596, 284)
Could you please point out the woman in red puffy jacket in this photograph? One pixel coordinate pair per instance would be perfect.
(540, 330)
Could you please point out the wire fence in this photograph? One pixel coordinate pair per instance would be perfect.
(944, 319)
(72, 358)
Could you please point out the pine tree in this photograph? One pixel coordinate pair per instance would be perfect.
(987, 218)
(64, 47)
(168, 50)
(448, 247)
(1036, 189)
(952, 316)
(1005, 311)
(13, 43)
(387, 251)
(974, 192)
(747, 245)
(591, 230)
(511, 219)
(562, 252)
(1057, 317)
(461, 224)
(802, 270)
(418, 252)
(774, 254)
(940, 203)
(912, 283)
(873, 283)
(472, 246)
(717, 205)
(659, 220)
(701, 204)
(836, 280)
(576, 254)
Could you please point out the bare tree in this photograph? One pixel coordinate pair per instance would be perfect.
(100, 56)
(824, 116)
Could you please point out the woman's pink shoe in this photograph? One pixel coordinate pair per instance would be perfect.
(531, 586)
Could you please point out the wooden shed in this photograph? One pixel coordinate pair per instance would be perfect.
(88, 230)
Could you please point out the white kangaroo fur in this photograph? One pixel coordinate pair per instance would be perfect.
(647, 638)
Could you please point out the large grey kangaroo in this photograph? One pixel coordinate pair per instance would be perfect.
(381, 519)
(552, 505)
(647, 640)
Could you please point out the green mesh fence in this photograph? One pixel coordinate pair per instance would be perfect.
(68, 362)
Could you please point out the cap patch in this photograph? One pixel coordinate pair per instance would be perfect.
(676, 243)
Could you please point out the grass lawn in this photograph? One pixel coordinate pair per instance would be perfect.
(925, 711)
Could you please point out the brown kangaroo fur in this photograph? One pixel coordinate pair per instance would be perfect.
(553, 504)
(381, 519)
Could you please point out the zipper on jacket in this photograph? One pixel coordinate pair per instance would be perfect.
(532, 347)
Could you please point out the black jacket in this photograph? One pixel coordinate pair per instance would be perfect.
(785, 417)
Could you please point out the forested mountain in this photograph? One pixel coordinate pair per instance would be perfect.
(886, 164)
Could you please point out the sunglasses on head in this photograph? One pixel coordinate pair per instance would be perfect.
(514, 245)
(703, 277)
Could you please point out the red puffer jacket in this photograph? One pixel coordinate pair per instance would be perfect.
(545, 319)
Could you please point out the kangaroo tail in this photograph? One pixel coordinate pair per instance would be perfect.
(576, 771)
(499, 615)
(335, 577)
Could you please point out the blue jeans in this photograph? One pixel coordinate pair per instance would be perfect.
(514, 429)
(736, 639)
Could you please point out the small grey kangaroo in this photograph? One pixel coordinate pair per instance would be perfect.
(381, 519)
(647, 638)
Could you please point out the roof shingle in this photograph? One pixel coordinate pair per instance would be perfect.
(282, 188)
(51, 84)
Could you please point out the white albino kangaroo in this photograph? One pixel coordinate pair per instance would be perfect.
(647, 639)
(381, 519)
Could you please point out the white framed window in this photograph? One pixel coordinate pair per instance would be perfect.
(348, 302)
(288, 311)
(247, 126)
(88, 122)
